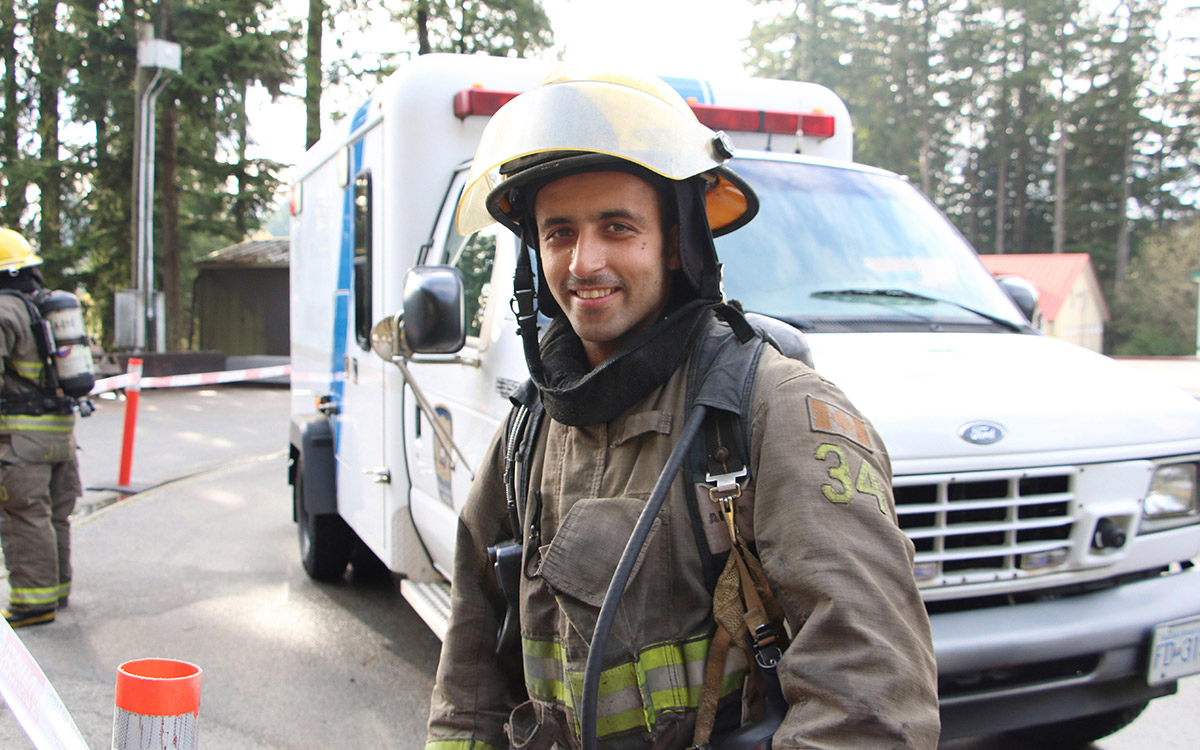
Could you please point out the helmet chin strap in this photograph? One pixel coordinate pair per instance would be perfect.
(524, 295)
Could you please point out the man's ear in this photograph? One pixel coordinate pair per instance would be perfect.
(672, 241)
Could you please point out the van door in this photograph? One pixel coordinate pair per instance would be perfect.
(359, 439)
(468, 393)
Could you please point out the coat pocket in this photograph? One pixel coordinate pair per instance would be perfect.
(582, 557)
(529, 730)
(42, 449)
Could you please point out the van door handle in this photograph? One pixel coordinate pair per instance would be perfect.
(379, 475)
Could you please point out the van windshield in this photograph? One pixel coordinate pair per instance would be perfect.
(842, 249)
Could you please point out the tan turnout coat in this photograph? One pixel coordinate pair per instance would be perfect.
(860, 670)
(39, 476)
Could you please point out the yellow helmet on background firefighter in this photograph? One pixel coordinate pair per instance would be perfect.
(16, 252)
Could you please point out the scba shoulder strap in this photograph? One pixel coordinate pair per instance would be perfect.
(520, 436)
(48, 384)
(721, 377)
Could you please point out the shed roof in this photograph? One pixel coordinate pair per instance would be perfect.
(1052, 274)
(272, 252)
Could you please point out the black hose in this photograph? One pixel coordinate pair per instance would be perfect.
(620, 579)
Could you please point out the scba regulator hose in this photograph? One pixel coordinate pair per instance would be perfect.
(620, 579)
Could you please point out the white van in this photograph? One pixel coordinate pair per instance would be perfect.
(1051, 492)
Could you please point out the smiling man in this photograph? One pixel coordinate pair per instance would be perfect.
(607, 259)
(782, 528)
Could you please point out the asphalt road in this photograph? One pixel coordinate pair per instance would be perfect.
(202, 566)
(205, 569)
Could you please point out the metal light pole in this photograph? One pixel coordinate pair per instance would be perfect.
(163, 59)
(1196, 279)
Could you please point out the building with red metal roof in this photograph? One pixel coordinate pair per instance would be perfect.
(1071, 301)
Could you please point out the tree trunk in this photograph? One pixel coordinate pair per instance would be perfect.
(1060, 146)
(1003, 152)
(312, 72)
(814, 34)
(1002, 156)
(1060, 189)
(423, 46)
(12, 188)
(1060, 165)
(1122, 265)
(973, 194)
(49, 82)
(1021, 168)
(241, 201)
(925, 106)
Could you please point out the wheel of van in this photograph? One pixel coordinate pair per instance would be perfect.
(1077, 733)
(366, 566)
(326, 542)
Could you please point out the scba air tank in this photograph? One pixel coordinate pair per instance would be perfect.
(72, 357)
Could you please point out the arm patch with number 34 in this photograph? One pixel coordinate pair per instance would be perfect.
(844, 482)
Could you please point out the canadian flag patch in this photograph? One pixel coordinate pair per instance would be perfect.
(834, 420)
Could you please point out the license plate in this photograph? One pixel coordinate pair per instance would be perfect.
(1174, 651)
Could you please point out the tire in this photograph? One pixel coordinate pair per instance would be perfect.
(326, 542)
(366, 567)
(1077, 733)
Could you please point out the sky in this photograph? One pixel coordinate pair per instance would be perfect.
(694, 37)
(704, 38)
(698, 37)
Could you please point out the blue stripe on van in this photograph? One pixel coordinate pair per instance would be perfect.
(692, 88)
(343, 292)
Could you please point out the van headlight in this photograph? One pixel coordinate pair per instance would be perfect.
(1171, 501)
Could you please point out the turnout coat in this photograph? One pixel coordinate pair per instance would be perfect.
(859, 672)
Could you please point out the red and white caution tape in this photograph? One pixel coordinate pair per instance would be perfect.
(133, 383)
(131, 379)
(32, 699)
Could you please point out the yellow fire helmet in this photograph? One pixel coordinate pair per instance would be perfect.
(573, 120)
(16, 252)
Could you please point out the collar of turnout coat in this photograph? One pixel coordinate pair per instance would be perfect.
(576, 395)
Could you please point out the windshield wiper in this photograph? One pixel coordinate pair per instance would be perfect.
(905, 294)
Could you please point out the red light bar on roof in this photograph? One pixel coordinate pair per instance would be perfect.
(740, 120)
(746, 120)
(817, 125)
(480, 101)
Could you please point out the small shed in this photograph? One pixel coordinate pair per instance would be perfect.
(241, 299)
(1072, 302)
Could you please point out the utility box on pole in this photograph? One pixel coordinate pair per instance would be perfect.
(129, 311)
(159, 59)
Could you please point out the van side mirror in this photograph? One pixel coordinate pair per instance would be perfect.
(1025, 296)
(432, 320)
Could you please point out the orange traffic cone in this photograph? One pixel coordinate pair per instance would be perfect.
(157, 705)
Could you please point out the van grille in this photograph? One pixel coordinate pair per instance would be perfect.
(988, 526)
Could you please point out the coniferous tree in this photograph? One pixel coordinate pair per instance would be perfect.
(12, 181)
(503, 28)
(1037, 125)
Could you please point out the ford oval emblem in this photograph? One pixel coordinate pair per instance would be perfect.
(982, 433)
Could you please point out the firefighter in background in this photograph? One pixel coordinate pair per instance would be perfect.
(39, 476)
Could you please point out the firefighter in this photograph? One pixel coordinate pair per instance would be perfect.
(617, 190)
(39, 476)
